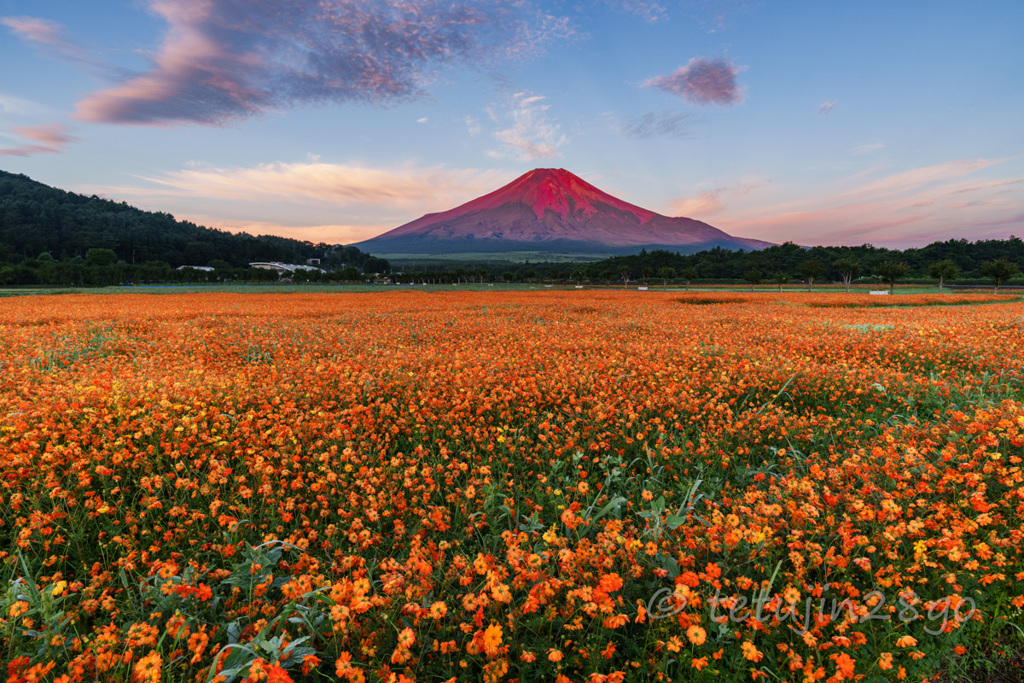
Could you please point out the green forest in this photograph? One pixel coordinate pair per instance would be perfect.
(50, 236)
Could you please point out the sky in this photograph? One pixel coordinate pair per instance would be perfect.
(872, 122)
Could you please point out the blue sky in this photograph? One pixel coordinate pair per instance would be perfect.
(891, 123)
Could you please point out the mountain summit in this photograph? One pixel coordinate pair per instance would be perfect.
(550, 209)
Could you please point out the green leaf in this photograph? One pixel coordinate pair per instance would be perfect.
(675, 521)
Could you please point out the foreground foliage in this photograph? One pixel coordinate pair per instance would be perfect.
(599, 486)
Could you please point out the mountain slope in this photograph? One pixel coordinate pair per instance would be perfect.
(552, 210)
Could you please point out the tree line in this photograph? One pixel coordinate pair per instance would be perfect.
(993, 262)
(960, 258)
(50, 236)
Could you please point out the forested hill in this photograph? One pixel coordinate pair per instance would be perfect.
(37, 219)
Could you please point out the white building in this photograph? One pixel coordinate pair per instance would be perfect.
(282, 267)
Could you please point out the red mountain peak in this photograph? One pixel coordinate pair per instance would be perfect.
(559, 191)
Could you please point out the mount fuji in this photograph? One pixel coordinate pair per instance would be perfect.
(551, 210)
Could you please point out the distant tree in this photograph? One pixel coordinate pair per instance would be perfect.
(999, 271)
(100, 257)
(891, 271)
(753, 277)
(811, 270)
(507, 275)
(376, 266)
(847, 271)
(943, 270)
(624, 272)
(688, 275)
(348, 274)
(666, 274)
(780, 279)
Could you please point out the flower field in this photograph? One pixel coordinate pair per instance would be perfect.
(515, 486)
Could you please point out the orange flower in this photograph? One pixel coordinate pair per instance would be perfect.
(438, 610)
(148, 668)
(343, 664)
(906, 641)
(751, 652)
(492, 639)
(406, 638)
(844, 666)
(696, 635)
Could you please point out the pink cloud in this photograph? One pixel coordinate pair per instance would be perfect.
(306, 197)
(50, 138)
(35, 29)
(50, 34)
(335, 184)
(909, 208)
(702, 81)
(223, 60)
(713, 201)
(330, 233)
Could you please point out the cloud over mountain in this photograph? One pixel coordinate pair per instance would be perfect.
(529, 133)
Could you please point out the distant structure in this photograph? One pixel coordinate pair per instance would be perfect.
(283, 267)
(206, 269)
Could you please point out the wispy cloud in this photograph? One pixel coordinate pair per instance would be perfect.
(868, 147)
(826, 107)
(336, 184)
(702, 81)
(530, 133)
(223, 60)
(404, 188)
(712, 15)
(651, 12)
(49, 138)
(349, 201)
(329, 233)
(908, 208)
(663, 124)
(35, 29)
(20, 107)
(53, 37)
(712, 201)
